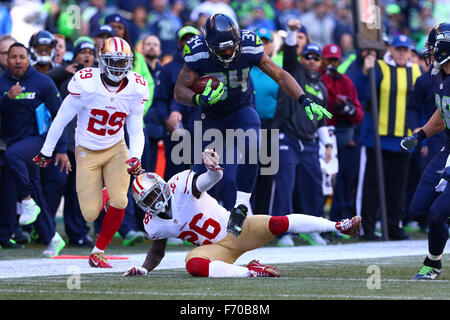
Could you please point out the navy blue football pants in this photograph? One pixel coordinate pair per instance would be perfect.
(298, 183)
(22, 178)
(431, 206)
(57, 184)
(236, 177)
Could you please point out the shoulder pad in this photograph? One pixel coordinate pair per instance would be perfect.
(251, 43)
(84, 81)
(195, 49)
(139, 83)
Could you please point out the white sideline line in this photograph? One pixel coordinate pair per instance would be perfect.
(175, 259)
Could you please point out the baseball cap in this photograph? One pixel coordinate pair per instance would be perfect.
(104, 29)
(264, 33)
(331, 51)
(82, 45)
(187, 30)
(401, 41)
(312, 48)
(82, 39)
(115, 17)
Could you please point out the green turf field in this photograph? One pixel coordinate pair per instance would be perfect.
(361, 279)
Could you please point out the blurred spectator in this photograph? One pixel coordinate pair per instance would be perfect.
(103, 32)
(302, 41)
(42, 49)
(244, 10)
(5, 20)
(347, 112)
(394, 20)
(298, 183)
(127, 7)
(5, 42)
(395, 78)
(266, 93)
(321, 22)
(259, 20)
(285, 11)
(61, 19)
(56, 185)
(21, 135)
(344, 21)
(138, 25)
(210, 7)
(164, 24)
(120, 26)
(60, 49)
(346, 45)
(93, 15)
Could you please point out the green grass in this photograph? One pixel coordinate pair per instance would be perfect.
(327, 280)
(300, 281)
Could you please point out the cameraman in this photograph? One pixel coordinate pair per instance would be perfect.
(55, 183)
(347, 112)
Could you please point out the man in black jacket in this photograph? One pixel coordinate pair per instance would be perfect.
(298, 183)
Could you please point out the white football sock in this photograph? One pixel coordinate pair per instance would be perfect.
(220, 269)
(434, 258)
(303, 223)
(244, 198)
(97, 250)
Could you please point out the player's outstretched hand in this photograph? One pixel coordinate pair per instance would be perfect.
(41, 160)
(312, 107)
(209, 96)
(135, 167)
(211, 160)
(135, 272)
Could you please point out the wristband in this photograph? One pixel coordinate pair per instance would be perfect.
(302, 98)
(194, 100)
(422, 135)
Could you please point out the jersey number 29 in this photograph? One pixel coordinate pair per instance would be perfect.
(101, 118)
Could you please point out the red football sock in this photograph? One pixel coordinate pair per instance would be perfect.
(278, 225)
(111, 223)
(198, 267)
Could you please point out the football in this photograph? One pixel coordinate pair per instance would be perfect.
(200, 85)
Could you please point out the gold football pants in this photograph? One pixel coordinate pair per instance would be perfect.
(96, 169)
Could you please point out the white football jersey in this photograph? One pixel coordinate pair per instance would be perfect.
(200, 221)
(103, 113)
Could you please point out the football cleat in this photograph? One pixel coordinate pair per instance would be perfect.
(427, 273)
(55, 246)
(29, 212)
(258, 270)
(350, 227)
(98, 260)
(236, 220)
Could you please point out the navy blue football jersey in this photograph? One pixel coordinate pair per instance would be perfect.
(235, 78)
(442, 97)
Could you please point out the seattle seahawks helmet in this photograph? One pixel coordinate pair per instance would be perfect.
(38, 54)
(442, 47)
(223, 39)
(431, 41)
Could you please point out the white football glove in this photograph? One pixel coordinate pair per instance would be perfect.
(135, 271)
(211, 160)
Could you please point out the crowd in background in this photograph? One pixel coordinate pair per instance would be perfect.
(312, 39)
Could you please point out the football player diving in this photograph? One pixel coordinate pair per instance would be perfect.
(431, 201)
(103, 99)
(228, 54)
(182, 208)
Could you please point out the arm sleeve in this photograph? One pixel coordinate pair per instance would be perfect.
(207, 180)
(290, 58)
(413, 105)
(68, 110)
(323, 134)
(135, 125)
(53, 103)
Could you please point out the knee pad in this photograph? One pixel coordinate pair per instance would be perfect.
(278, 225)
(198, 267)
